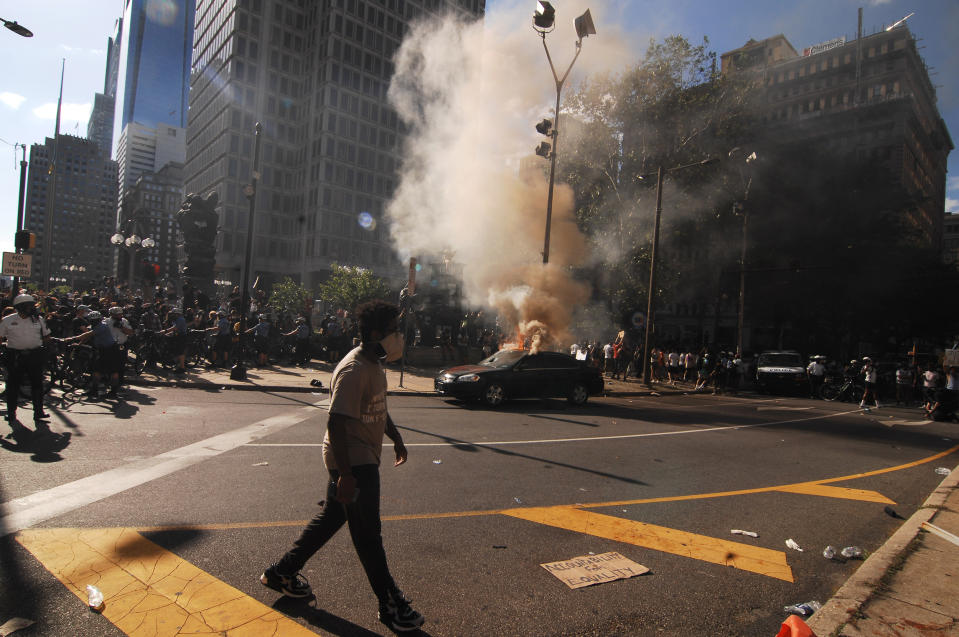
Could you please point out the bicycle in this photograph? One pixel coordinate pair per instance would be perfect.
(847, 389)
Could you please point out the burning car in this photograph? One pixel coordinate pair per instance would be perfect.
(515, 373)
(781, 371)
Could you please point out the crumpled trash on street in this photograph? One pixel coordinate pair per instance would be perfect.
(791, 543)
(805, 609)
(15, 624)
(741, 532)
(943, 471)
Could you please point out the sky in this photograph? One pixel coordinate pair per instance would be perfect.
(77, 30)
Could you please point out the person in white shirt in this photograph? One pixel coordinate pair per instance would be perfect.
(930, 381)
(25, 333)
(870, 376)
(816, 372)
(608, 359)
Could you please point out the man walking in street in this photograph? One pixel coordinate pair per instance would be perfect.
(351, 452)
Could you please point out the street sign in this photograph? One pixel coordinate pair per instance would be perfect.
(16, 264)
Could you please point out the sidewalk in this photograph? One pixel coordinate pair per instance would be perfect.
(909, 587)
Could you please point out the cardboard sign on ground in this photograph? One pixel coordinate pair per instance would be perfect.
(587, 570)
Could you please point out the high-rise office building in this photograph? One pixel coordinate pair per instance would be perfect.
(100, 125)
(315, 75)
(866, 98)
(150, 75)
(84, 211)
(154, 201)
(154, 63)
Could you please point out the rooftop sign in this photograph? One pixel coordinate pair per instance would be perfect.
(822, 47)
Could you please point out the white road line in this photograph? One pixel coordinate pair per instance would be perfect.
(501, 443)
(24, 512)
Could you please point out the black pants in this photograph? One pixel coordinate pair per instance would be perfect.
(363, 517)
(20, 363)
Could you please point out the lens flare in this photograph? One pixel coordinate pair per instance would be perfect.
(163, 12)
(366, 221)
(419, 267)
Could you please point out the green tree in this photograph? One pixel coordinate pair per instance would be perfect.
(290, 297)
(348, 286)
(673, 108)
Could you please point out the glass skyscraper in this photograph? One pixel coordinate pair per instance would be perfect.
(154, 72)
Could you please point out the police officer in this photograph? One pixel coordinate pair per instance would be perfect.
(25, 334)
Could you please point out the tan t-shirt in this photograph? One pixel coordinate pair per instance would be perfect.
(358, 391)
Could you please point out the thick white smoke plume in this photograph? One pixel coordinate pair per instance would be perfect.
(470, 95)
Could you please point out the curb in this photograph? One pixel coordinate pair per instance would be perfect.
(860, 587)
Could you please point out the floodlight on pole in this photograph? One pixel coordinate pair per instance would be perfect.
(19, 29)
(545, 16)
(543, 21)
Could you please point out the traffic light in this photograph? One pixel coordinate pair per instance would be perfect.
(545, 127)
(24, 240)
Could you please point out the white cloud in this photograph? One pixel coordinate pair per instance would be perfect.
(952, 183)
(952, 204)
(12, 100)
(70, 115)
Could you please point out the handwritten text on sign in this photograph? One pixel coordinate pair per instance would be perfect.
(16, 264)
(587, 570)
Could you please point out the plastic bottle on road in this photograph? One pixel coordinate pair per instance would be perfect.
(852, 552)
(829, 552)
(805, 609)
(94, 598)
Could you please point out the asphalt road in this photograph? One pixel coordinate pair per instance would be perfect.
(223, 481)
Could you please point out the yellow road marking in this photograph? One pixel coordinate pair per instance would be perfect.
(806, 488)
(660, 538)
(147, 589)
(815, 488)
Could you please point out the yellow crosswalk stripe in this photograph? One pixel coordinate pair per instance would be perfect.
(815, 488)
(149, 590)
(660, 538)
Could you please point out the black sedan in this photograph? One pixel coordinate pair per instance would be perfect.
(521, 374)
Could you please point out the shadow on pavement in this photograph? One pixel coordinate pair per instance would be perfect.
(463, 445)
(18, 598)
(44, 445)
(306, 609)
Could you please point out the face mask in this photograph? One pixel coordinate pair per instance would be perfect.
(393, 346)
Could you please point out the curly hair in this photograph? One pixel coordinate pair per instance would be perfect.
(375, 315)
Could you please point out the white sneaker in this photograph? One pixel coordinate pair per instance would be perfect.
(862, 404)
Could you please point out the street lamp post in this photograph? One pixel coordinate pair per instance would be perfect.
(543, 23)
(238, 372)
(650, 293)
(743, 209)
(23, 188)
(72, 269)
(132, 242)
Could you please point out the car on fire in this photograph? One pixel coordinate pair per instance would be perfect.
(781, 372)
(516, 373)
